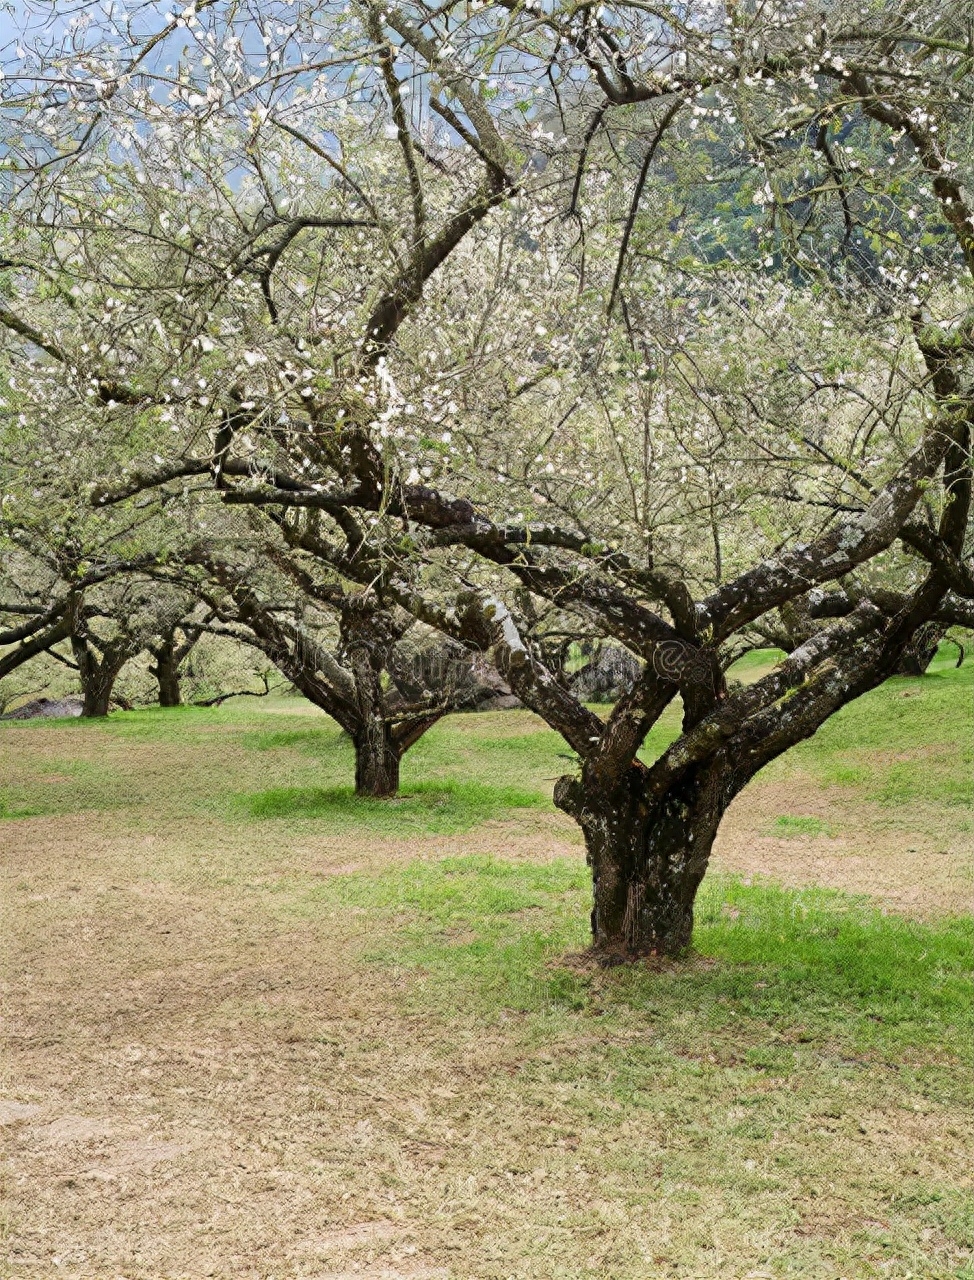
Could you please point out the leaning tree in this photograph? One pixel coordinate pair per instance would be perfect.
(677, 299)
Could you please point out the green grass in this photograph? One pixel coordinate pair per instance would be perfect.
(64, 785)
(10, 809)
(809, 966)
(435, 807)
(856, 750)
(840, 968)
(754, 665)
(315, 742)
(924, 719)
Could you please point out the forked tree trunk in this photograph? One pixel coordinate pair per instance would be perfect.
(96, 689)
(97, 677)
(376, 761)
(648, 858)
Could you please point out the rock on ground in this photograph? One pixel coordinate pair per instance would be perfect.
(46, 708)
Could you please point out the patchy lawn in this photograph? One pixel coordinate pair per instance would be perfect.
(256, 1027)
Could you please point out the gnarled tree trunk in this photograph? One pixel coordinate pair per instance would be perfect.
(97, 682)
(377, 755)
(98, 674)
(96, 698)
(368, 635)
(376, 760)
(648, 857)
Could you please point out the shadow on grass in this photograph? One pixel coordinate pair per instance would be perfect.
(774, 971)
(441, 807)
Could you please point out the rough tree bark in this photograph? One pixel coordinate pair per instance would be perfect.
(98, 673)
(376, 761)
(649, 830)
(368, 634)
(648, 856)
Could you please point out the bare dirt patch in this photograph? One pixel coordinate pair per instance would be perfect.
(69, 1130)
(403, 1273)
(15, 1112)
(535, 837)
(499, 724)
(357, 1233)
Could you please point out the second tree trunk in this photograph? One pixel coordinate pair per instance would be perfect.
(166, 672)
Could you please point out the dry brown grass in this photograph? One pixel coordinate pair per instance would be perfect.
(918, 867)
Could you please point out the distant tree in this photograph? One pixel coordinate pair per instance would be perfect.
(85, 604)
(170, 649)
(364, 665)
(103, 625)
